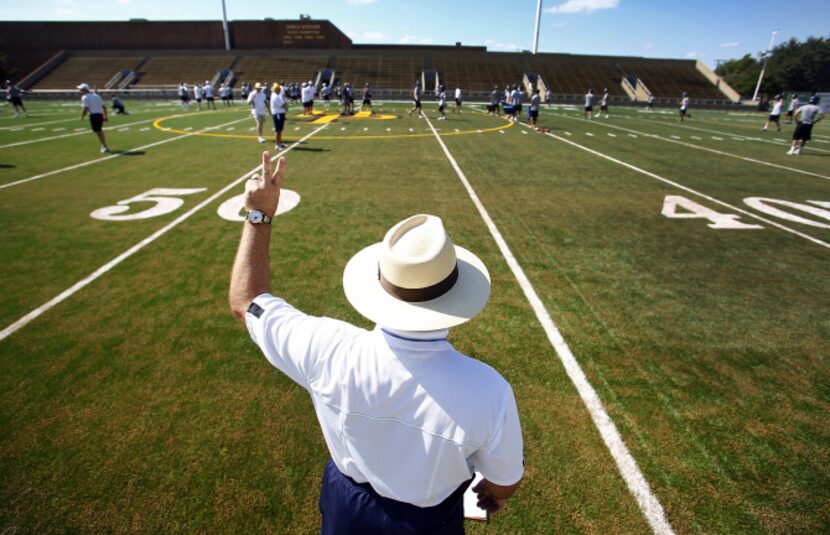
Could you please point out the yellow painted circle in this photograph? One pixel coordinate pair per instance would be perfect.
(158, 125)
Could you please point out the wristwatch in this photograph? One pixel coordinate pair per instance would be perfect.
(256, 217)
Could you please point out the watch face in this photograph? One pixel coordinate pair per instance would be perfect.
(255, 216)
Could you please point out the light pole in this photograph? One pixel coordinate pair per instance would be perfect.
(225, 27)
(538, 22)
(765, 56)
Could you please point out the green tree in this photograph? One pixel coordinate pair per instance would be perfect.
(794, 66)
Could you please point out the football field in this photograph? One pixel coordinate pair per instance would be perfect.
(660, 305)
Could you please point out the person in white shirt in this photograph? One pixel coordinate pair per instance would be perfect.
(650, 103)
(224, 94)
(442, 103)
(603, 103)
(806, 116)
(13, 96)
(279, 107)
(684, 107)
(406, 418)
(775, 113)
(535, 102)
(325, 92)
(457, 108)
(792, 107)
(513, 99)
(93, 105)
(589, 104)
(548, 97)
(197, 96)
(258, 103)
(184, 97)
(416, 99)
(208, 92)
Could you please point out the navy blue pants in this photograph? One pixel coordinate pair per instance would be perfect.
(351, 508)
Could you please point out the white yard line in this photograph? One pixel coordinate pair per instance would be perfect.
(733, 135)
(72, 290)
(637, 484)
(40, 140)
(694, 192)
(708, 149)
(111, 156)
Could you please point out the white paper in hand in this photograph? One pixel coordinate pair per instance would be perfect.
(471, 510)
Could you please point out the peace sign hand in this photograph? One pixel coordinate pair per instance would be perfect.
(263, 192)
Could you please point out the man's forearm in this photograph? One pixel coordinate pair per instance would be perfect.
(251, 275)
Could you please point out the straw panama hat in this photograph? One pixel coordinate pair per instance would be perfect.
(416, 279)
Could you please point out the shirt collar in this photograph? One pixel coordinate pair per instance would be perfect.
(438, 335)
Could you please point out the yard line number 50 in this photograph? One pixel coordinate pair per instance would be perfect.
(169, 200)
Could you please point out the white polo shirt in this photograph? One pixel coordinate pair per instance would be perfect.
(277, 103)
(93, 103)
(413, 417)
(258, 102)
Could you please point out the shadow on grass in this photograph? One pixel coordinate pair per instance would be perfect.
(6, 166)
(129, 152)
(311, 149)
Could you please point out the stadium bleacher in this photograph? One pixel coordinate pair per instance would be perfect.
(280, 68)
(477, 75)
(575, 75)
(670, 78)
(386, 72)
(169, 71)
(95, 71)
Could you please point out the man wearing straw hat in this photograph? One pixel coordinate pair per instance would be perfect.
(407, 418)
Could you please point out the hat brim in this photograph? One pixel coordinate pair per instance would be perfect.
(461, 303)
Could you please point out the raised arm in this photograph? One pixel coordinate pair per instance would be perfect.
(250, 276)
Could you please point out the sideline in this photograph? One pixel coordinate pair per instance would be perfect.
(114, 155)
(627, 465)
(72, 290)
(778, 142)
(698, 147)
(688, 189)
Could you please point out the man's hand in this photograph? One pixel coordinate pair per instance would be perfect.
(493, 498)
(487, 501)
(263, 192)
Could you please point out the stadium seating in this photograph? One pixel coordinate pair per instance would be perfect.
(383, 72)
(574, 75)
(163, 71)
(95, 71)
(669, 79)
(278, 68)
(477, 75)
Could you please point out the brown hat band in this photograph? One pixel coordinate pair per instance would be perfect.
(416, 295)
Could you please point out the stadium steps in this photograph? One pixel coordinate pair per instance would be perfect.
(285, 69)
(168, 71)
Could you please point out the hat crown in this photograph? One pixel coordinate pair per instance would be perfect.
(417, 253)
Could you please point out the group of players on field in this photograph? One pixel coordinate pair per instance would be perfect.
(276, 97)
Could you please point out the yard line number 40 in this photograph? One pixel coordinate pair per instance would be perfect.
(168, 200)
(679, 207)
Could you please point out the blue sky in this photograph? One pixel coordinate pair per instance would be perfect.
(706, 29)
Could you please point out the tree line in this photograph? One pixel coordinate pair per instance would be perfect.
(794, 66)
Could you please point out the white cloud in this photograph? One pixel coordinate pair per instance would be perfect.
(360, 2)
(372, 35)
(730, 44)
(123, 2)
(583, 6)
(694, 54)
(496, 45)
(412, 40)
(559, 24)
(648, 45)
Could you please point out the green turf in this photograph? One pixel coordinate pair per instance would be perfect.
(139, 404)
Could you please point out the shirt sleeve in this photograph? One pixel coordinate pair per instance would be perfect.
(294, 342)
(501, 460)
